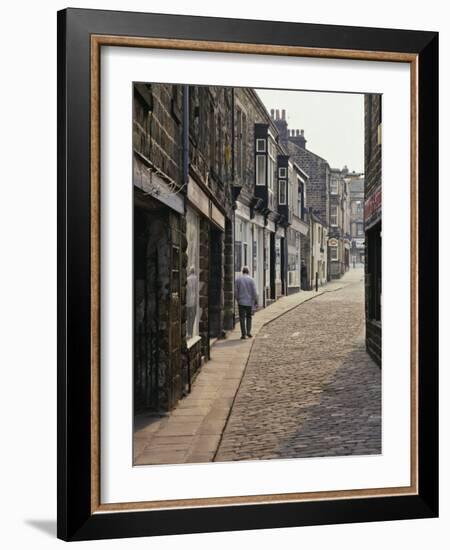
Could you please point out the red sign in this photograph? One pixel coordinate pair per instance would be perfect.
(372, 206)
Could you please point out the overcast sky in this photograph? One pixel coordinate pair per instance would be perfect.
(333, 123)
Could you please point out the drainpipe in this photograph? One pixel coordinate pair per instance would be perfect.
(186, 136)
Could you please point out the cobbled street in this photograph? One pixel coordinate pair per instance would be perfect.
(309, 388)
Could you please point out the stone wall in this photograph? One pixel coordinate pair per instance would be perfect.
(317, 187)
(157, 128)
(210, 142)
(158, 312)
(372, 148)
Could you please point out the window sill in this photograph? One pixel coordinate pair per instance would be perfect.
(192, 341)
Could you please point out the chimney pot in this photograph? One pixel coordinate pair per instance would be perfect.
(297, 133)
(283, 114)
(277, 114)
(272, 113)
(302, 132)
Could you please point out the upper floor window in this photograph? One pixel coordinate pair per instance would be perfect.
(334, 215)
(260, 145)
(290, 197)
(334, 186)
(282, 192)
(271, 161)
(260, 170)
(271, 171)
(282, 172)
(301, 199)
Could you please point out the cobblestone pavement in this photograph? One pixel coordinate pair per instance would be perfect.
(192, 431)
(309, 388)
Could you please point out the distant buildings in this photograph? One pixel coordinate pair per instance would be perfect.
(355, 184)
(220, 183)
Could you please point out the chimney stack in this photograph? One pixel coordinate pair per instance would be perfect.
(281, 124)
(298, 137)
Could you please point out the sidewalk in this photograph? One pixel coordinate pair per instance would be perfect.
(192, 431)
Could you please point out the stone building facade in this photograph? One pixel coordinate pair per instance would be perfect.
(257, 228)
(183, 256)
(373, 223)
(292, 201)
(318, 255)
(339, 241)
(318, 203)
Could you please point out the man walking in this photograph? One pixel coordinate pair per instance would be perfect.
(246, 297)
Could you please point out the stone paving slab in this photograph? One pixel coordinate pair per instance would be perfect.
(192, 431)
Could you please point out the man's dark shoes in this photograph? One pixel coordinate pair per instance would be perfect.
(249, 335)
(242, 337)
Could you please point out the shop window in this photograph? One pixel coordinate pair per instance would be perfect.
(193, 311)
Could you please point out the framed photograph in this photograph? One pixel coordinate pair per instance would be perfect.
(247, 255)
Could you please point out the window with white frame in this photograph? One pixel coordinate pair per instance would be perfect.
(334, 253)
(282, 192)
(290, 195)
(271, 168)
(282, 172)
(334, 215)
(260, 169)
(334, 186)
(260, 145)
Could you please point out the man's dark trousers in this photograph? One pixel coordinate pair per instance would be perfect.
(245, 314)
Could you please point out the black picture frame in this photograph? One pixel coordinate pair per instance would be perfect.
(75, 518)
